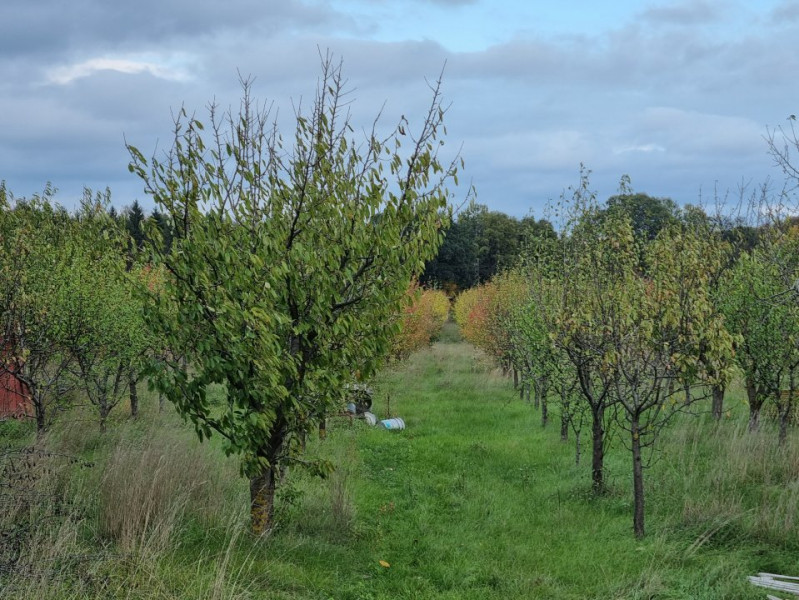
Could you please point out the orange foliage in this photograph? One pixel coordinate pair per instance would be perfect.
(473, 315)
(151, 278)
(486, 314)
(421, 321)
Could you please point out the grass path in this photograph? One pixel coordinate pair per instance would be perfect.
(475, 500)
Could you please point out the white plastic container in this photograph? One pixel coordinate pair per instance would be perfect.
(393, 423)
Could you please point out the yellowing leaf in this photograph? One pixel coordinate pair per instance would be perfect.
(384, 564)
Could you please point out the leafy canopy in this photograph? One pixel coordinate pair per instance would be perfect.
(288, 263)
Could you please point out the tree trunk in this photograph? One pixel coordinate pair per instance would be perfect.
(544, 412)
(39, 410)
(564, 425)
(323, 429)
(160, 402)
(537, 392)
(515, 378)
(598, 449)
(262, 501)
(134, 396)
(755, 402)
(577, 449)
(754, 418)
(638, 481)
(104, 412)
(783, 436)
(786, 409)
(544, 407)
(718, 401)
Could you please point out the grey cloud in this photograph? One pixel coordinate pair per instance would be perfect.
(286, 69)
(685, 12)
(434, 2)
(675, 107)
(683, 65)
(80, 125)
(375, 63)
(50, 26)
(785, 12)
(450, 2)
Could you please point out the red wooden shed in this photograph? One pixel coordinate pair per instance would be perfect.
(14, 397)
(14, 394)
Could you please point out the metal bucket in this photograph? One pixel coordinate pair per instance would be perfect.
(393, 423)
(370, 418)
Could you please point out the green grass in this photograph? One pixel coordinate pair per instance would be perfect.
(474, 499)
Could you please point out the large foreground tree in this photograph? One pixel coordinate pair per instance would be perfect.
(287, 266)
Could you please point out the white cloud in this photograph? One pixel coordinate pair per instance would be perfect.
(697, 132)
(554, 149)
(644, 148)
(131, 66)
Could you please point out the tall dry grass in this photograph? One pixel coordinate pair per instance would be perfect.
(44, 514)
(734, 482)
(145, 491)
(108, 526)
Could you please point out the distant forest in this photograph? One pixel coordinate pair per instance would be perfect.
(481, 242)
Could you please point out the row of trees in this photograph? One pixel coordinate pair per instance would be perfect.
(69, 317)
(627, 321)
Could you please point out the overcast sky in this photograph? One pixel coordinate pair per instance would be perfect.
(678, 95)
